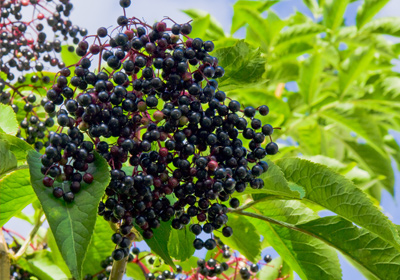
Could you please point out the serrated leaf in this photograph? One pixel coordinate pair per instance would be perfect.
(56, 254)
(7, 158)
(100, 247)
(180, 245)
(200, 26)
(276, 269)
(258, 26)
(334, 13)
(276, 184)
(334, 192)
(8, 120)
(363, 127)
(239, 19)
(386, 25)
(215, 29)
(243, 64)
(72, 224)
(354, 66)
(375, 163)
(159, 242)
(245, 238)
(15, 194)
(17, 146)
(309, 257)
(310, 77)
(297, 33)
(368, 251)
(41, 265)
(367, 10)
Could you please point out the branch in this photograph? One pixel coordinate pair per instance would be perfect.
(4, 258)
(32, 234)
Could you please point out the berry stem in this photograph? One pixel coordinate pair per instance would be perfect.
(4, 258)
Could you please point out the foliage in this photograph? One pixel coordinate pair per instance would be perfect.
(334, 99)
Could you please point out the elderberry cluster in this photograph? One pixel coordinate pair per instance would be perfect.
(69, 166)
(177, 145)
(24, 44)
(18, 273)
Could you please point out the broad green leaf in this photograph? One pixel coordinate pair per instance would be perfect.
(310, 77)
(69, 58)
(367, 10)
(41, 265)
(334, 192)
(245, 238)
(215, 29)
(200, 26)
(334, 13)
(243, 64)
(300, 32)
(135, 271)
(354, 66)
(72, 224)
(387, 25)
(309, 136)
(17, 146)
(364, 127)
(159, 243)
(375, 163)
(276, 269)
(276, 184)
(258, 25)
(238, 19)
(363, 248)
(180, 244)
(7, 158)
(308, 256)
(56, 254)
(15, 193)
(100, 247)
(8, 120)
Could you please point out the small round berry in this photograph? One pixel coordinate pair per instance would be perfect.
(271, 148)
(267, 258)
(69, 197)
(227, 231)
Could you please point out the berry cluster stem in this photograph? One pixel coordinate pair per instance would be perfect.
(4, 258)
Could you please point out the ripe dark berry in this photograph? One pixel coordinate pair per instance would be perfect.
(267, 258)
(88, 178)
(198, 244)
(118, 254)
(68, 197)
(48, 182)
(227, 231)
(271, 148)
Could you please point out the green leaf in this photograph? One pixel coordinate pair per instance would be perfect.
(368, 251)
(69, 58)
(354, 66)
(41, 265)
(15, 194)
(334, 192)
(276, 269)
(72, 224)
(100, 247)
(367, 10)
(375, 163)
(215, 29)
(361, 124)
(245, 238)
(17, 146)
(8, 120)
(180, 245)
(258, 25)
(239, 19)
(297, 33)
(313, 6)
(159, 243)
(134, 271)
(308, 256)
(387, 25)
(200, 26)
(334, 13)
(310, 77)
(276, 184)
(56, 254)
(243, 64)
(7, 158)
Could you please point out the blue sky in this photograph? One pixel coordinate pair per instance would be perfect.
(95, 13)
